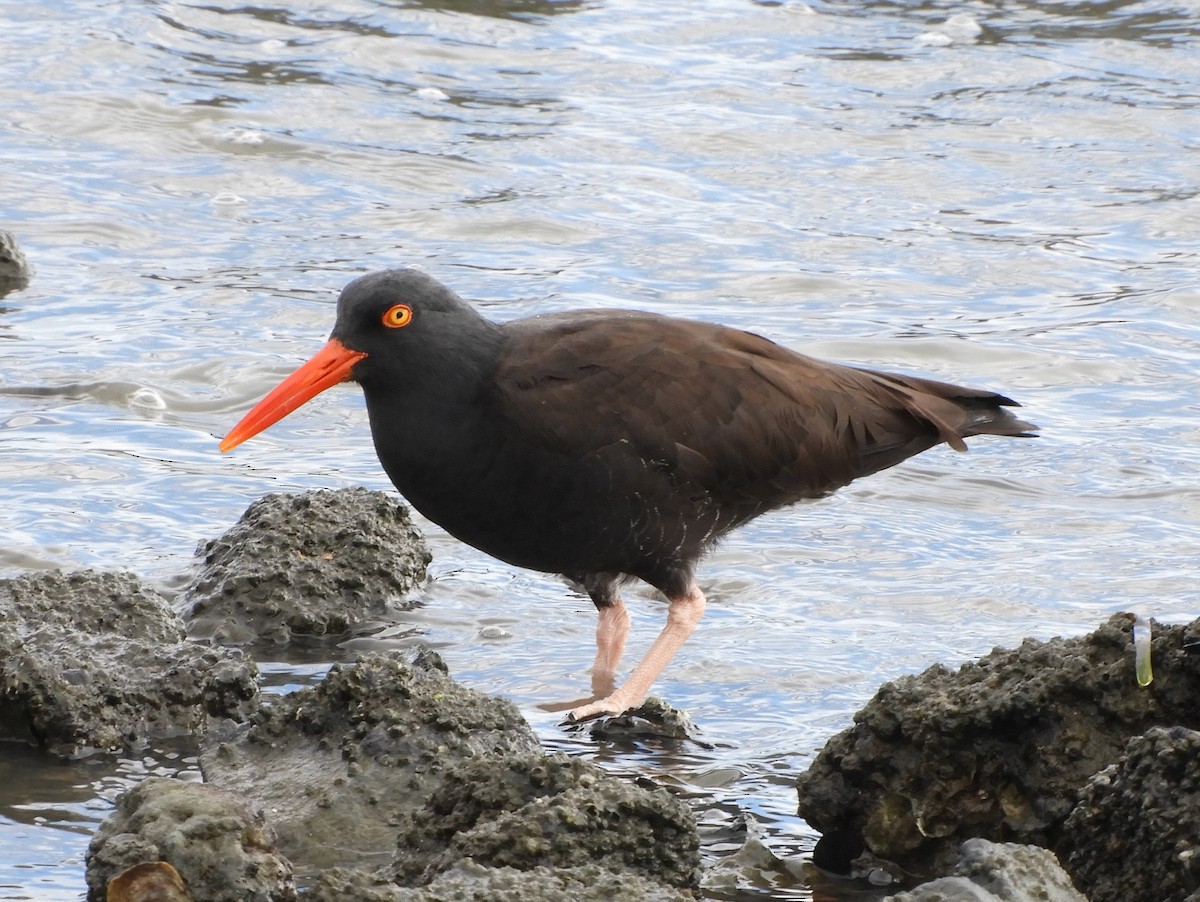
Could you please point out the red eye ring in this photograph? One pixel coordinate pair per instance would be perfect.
(397, 316)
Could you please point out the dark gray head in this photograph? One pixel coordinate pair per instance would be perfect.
(412, 329)
(405, 338)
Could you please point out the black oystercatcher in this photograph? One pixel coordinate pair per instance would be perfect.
(610, 444)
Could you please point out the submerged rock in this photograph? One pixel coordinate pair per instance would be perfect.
(98, 661)
(315, 564)
(999, 749)
(751, 867)
(1135, 834)
(999, 872)
(221, 849)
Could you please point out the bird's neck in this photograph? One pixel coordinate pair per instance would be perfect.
(436, 450)
(433, 421)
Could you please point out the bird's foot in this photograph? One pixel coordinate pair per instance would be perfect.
(604, 707)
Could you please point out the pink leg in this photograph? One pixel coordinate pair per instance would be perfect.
(682, 616)
(612, 629)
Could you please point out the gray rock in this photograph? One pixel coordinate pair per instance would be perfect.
(221, 848)
(652, 721)
(1135, 833)
(97, 661)
(468, 881)
(316, 564)
(999, 749)
(547, 811)
(999, 872)
(390, 759)
(14, 268)
(335, 763)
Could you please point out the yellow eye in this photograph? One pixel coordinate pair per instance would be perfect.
(397, 316)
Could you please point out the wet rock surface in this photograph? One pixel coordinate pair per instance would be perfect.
(314, 564)
(533, 811)
(98, 661)
(389, 759)
(468, 881)
(999, 749)
(333, 764)
(652, 721)
(998, 872)
(753, 865)
(14, 268)
(221, 849)
(1135, 833)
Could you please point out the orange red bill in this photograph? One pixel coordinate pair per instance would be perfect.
(329, 366)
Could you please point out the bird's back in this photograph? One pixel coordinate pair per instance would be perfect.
(724, 409)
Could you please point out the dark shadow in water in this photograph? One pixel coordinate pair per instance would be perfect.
(525, 10)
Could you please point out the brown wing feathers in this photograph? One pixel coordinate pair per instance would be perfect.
(770, 417)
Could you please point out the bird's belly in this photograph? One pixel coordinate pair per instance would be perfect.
(570, 520)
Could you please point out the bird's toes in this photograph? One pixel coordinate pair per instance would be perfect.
(604, 707)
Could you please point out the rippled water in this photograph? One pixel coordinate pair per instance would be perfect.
(1002, 194)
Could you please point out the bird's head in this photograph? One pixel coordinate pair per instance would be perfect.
(388, 323)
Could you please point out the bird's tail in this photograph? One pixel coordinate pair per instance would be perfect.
(957, 412)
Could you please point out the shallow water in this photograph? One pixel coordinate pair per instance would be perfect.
(1001, 194)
